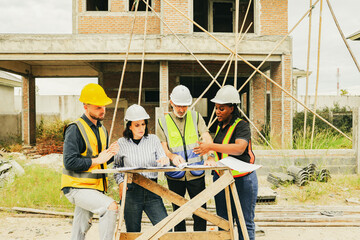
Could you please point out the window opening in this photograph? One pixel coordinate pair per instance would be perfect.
(219, 15)
(97, 5)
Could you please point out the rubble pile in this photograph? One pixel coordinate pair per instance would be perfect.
(299, 175)
(8, 170)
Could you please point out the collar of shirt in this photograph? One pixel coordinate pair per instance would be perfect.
(230, 123)
(90, 123)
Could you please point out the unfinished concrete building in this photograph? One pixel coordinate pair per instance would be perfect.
(100, 40)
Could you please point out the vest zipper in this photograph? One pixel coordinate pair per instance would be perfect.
(182, 138)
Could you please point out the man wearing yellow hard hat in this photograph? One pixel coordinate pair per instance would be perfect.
(86, 149)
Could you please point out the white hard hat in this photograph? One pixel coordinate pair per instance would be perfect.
(136, 112)
(181, 96)
(226, 94)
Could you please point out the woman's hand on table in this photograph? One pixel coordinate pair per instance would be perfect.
(163, 161)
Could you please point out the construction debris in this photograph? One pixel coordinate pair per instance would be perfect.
(278, 179)
(8, 170)
(299, 175)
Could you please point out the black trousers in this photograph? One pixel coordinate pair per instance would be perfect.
(194, 187)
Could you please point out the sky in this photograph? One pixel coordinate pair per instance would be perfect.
(55, 17)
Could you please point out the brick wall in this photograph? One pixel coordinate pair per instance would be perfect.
(258, 102)
(281, 107)
(273, 17)
(118, 20)
(177, 22)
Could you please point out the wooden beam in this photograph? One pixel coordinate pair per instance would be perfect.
(16, 67)
(187, 209)
(178, 200)
(94, 65)
(64, 71)
(223, 235)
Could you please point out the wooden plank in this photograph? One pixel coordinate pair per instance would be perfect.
(157, 170)
(221, 235)
(187, 209)
(122, 206)
(295, 224)
(229, 212)
(178, 200)
(38, 211)
(308, 219)
(239, 211)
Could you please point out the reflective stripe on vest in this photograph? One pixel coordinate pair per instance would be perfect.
(182, 146)
(86, 179)
(226, 140)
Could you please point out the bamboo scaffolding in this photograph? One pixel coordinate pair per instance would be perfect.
(317, 75)
(261, 73)
(236, 31)
(143, 55)
(342, 34)
(176, 36)
(136, 4)
(307, 73)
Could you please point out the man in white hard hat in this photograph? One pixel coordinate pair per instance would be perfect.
(179, 132)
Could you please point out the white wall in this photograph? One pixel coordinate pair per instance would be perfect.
(7, 105)
(329, 101)
(67, 107)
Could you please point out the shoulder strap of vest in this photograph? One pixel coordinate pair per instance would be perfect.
(231, 131)
(80, 124)
(163, 125)
(195, 119)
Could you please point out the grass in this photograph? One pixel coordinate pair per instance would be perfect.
(322, 140)
(38, 188)
(333, 192)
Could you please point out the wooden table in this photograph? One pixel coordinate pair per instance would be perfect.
(186, 207)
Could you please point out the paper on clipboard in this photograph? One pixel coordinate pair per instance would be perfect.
(238, 165)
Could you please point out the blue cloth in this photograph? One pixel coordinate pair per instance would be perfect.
(139, 199)
(247, 188)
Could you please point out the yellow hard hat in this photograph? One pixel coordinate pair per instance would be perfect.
(94, 94)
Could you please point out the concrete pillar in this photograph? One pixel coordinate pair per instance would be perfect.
(29, 111)
(258, 103)
(281, 107)
(356, 136)
(164, 85)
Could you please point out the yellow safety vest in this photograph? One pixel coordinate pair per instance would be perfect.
(226, 140)
(87, 179)
(183, 145)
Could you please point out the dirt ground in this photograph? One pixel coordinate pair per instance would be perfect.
(21, 227)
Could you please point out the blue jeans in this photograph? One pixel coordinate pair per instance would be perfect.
(138, 200)
(247, 188)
